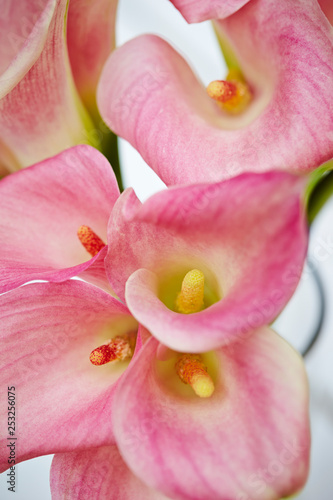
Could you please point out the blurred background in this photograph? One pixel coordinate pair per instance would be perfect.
(299, 320)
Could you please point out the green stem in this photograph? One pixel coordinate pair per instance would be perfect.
(106, 141)
(109, 148)
(319, 195)
(315, 177)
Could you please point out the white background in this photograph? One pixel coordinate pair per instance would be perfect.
(296, 323)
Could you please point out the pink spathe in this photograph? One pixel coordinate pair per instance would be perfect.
(150, 96)
(247, 235)
(48, 331)
(251, 439)
(41, 112)
(43, 206)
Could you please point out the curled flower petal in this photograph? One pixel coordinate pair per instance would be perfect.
(48, 331)
(90, 39)
(251, 257)
(149, 95)
(42, 208)
(198, 11)
(24, 30)
(250, 439)
(97, 474)
(40, 112)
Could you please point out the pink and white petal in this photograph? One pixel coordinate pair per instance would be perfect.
(252, 258)
(197, 11)
(24, 30)
(90, 39)
(97, 474)
(250, 439)
(42, 208)
(47, 334)
(40, 112)
(149, 95)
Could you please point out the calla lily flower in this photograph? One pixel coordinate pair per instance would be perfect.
(42, 209)
(149, 95)
(40, 109)
(48, 331)
(202, 265)
(250, 439)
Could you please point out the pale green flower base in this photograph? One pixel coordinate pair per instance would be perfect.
(226, 49)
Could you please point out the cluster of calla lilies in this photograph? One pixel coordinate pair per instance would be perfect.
(137, 334)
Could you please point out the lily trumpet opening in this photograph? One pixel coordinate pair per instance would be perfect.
(233, 95)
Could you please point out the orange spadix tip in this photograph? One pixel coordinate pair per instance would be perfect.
(91, 242)
(233, 94)
(191, 370)
(102, 355)
(221, 90)
(117, 349)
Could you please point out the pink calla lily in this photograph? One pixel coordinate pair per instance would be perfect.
(250, 439)
(48, 331)
(149, 95)
(251, 258)
(40, 112)
(40, 109)
(42, 208)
